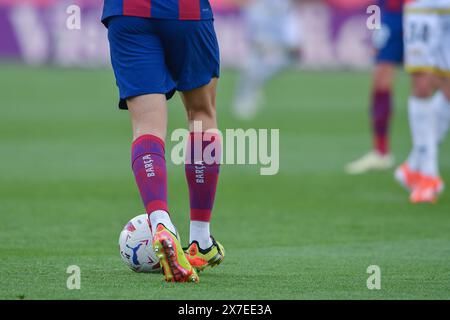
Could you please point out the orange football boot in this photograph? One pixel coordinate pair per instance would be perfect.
(427, 190)
(407, 177)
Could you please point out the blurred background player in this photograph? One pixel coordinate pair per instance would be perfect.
(388, 42)
(272, 33)
(427, 58)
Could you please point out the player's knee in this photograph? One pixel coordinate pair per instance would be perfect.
(383, 77)
(200, 103)
(382, 85)
(201, 109)
(423, 85)
(148, 115)
(422, 92)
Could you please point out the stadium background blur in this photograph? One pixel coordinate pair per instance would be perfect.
(66, 188)
(34, 32)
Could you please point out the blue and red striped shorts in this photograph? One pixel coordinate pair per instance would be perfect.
(161, 55)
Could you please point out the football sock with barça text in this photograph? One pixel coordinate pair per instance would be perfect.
(202, 173)
(149, 167)
(381, 115)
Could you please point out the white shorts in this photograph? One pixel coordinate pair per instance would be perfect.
(427, 36)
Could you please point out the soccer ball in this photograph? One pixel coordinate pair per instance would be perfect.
(135, 245)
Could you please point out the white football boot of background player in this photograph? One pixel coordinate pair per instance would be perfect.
(372, 161)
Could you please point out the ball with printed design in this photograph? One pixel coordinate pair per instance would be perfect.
(135, 245)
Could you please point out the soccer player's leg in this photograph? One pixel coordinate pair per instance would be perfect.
(144, 82)
(149, 121)
(389, 44)
(422, 43)
(196, 76)
(270, 50)
(202, 173)
(443, 103)
(422, 175)
(443, 95)
(248, 97)
(379, 158)
(431, 184)
(382, 106)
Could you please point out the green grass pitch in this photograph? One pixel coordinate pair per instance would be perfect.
(310, 232)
